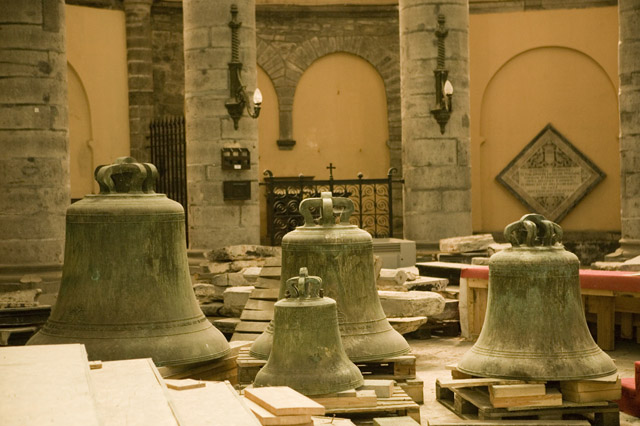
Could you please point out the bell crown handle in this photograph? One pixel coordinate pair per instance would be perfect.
(533, 230)
(304, 286)
(126, 176)
(326, 203)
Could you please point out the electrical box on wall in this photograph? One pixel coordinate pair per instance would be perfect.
(235, 159)
(236, 190)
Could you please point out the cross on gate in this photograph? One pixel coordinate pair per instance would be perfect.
(330, 167)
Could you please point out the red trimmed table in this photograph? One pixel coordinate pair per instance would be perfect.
(609, 298)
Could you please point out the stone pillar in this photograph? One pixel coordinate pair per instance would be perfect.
(34, 164)
(629, 101)
(140, 67)
(214, 221)
(436, 166)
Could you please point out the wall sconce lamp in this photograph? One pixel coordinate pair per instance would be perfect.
(444, 88)
(238, 96)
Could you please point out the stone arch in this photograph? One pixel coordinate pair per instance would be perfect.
(285, 72)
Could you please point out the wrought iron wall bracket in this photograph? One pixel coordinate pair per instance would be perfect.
(444, 89)
(238, 99)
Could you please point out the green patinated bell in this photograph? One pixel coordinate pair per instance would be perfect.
(126, 290)
(342, 254)
(535, 328)
(307, 353)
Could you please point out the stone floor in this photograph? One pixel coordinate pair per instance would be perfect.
(432, 355)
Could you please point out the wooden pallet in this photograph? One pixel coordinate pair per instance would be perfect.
(399, 404)
(400, 368)
(474, 403)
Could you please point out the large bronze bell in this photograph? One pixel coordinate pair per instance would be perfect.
(126, 290)
(307, 353)
(342, 254)
(535, 328)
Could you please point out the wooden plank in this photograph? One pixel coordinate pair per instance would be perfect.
(259, 305)
(47, 384)
(282, 401)
(468, 383)
(270, 271)
(592, 396)
(604, 308)
(332, 421)
(395, 421)
(267, 418)
(184, 384)
(249, 315)
(363, 398)
(216, 404)
(552, 398)
(131, 392)
(245, 336)
(525, 389)
(590, 385)
(265, 293)
(251, 327)
(264, 282)
(383, 388)
(510, 423)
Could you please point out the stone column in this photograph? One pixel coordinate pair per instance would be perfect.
(140, 67)
(436, 166)
(214, 221)
(34, 164)
(629, 101)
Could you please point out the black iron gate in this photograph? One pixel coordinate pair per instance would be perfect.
(372, 200)
(168, 148)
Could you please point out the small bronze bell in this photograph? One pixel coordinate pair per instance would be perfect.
(535, 327)
(307, 353)
(126, 290)
(342, 254)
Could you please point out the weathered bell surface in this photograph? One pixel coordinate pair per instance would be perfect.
(535, 328)
(126, 291)
(342, 254)
(307, 353)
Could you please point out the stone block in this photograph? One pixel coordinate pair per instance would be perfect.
(205, 80)
(25, 117)
(438, 177)
(251, 274)
(466, 243)
(391, 279)
(431, 152)
(423, 201)
(242, 252)
(408, 324)
(20, 298)
(411, 303)
(235, 298)
(239, 265)
(456, 201)
(212, 309)
(426, 284)
(206, 293)
(450, 311)
(219, 268)
(230, 279)
(196, 38)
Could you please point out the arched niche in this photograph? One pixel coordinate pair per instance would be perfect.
(340, 117)
(80, 137)
(570, 90)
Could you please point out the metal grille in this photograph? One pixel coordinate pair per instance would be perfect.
(168, 147)
(372, 201)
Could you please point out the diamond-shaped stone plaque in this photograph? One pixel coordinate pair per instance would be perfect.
(550, 176)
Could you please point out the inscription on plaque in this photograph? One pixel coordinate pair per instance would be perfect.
(550, 176)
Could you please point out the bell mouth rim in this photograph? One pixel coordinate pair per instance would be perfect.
(534, 378)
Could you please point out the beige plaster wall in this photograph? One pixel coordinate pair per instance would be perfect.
(529, 69)
(98, 94)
